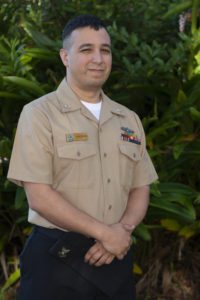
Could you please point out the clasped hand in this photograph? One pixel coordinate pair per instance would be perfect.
(115, 243)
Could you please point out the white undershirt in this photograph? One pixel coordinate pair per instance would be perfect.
(94, 108)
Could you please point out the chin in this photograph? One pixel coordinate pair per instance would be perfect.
(96, 83)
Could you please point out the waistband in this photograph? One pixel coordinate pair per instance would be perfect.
(50, 232)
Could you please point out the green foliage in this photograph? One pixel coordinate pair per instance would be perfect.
(156, 72)
(175, 8)
(9, 282)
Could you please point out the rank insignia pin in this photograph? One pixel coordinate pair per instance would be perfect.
(63, 252)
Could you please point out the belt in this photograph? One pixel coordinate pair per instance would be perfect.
(50, 232)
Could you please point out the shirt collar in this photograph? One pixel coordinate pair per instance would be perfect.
(69, 101)
(67, 98)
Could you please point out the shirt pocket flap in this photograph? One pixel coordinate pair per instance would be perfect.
(78, 151)
(131, 151)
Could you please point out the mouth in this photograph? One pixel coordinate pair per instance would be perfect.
(98, 71)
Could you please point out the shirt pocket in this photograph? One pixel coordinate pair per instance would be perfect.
(129, 158)
(77, 164)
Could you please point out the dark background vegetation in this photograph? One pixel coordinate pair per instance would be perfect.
(156, 72)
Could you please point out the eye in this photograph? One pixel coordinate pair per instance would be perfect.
(85, 50)
(106, 50)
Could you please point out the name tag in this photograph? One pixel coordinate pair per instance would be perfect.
(76, 136)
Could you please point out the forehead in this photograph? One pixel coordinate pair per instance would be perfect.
(87, 35)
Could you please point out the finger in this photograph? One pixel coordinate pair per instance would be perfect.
(95, 254)
(94, 249)
(123, 254)
(96, 257)
(102, 260)
(120, 256)
(109, 259)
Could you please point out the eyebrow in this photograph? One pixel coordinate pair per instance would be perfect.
(91, 45)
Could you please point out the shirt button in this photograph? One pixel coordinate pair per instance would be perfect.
(66, 106)
(108, 180)
(105, 154)
(78, 153)
(134, 155)
(110, 207)
(100, 129)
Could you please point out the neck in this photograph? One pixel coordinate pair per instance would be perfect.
(90, 95)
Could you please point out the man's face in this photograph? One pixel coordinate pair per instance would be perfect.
(88, 58)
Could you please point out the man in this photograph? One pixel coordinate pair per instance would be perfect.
(83, 163)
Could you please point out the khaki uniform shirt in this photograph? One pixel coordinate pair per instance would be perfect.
(94, 165)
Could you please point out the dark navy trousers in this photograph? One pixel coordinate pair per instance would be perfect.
(44, 277)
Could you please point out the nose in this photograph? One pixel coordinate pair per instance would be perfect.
(97, 57)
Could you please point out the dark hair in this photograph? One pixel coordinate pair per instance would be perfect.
(80, 22)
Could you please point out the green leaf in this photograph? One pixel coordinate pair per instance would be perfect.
(40, 54)
(11, 279)
(176, 188)
(170, 224)
(179, 194)
(142, 231)
(195, 114)
(40, 38)
(162, 129)
(191, 230)
(4, 51)
(137, 269)
(177, 9)
(20, 198)
(182, 97)
(155, 189)
(5, 147)
(9, 95)
(178, 150)
(187, 232)
(28, 85)
(197, 199)
(163, 207)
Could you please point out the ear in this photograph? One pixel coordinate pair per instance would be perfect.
(64, 56)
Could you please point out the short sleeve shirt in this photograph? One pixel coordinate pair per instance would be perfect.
(93, 165)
